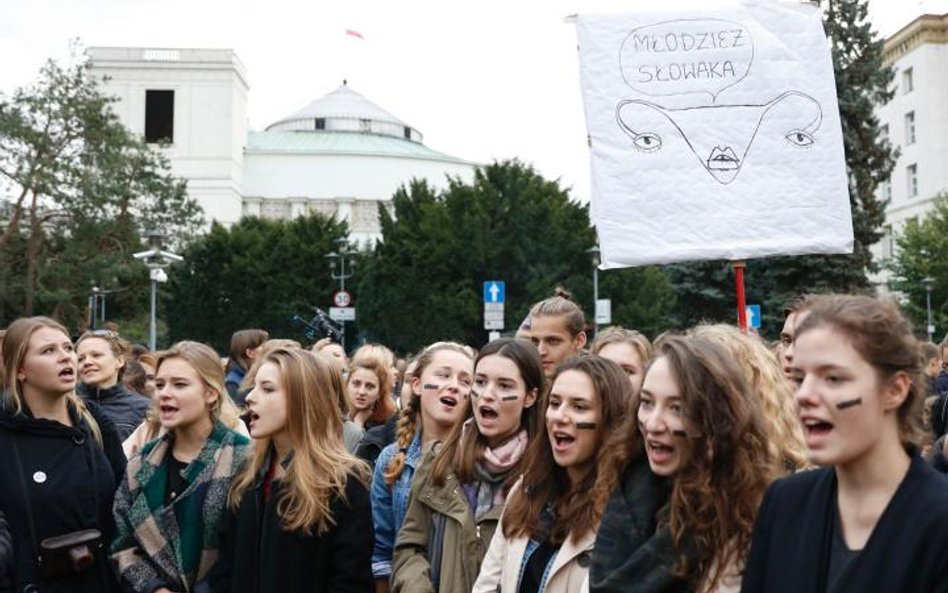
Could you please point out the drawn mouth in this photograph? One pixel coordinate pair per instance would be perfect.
(723, 159)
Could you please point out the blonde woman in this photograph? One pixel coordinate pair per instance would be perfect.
(627, 348)
(299, 515)
(102, 356)
(60, 460)
(762, 372)
(168, 509)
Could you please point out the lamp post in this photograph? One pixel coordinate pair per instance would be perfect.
(594, 256)
(928, 281)
(337, 259)
(157, 260)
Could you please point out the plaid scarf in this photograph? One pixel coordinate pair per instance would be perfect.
(491, 472)
(174, 544)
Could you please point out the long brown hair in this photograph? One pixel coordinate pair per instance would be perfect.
(320, 466)
(408, 421)
(465, 444)
(883, 336)
(726, 467)
(16, 344)
(575, 511)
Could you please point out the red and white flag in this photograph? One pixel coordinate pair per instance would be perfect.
(354, 33)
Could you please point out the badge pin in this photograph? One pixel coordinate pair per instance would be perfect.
(39, 477)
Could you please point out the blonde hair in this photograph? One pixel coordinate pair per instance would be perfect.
(16, 343)
(206, 362)
(619, 335)
(765, 377)
(411, 415)
(561, 304)
(320, 466)
(378, 360)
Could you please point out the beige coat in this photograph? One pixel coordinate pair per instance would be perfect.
(465, 541)
(569, 573)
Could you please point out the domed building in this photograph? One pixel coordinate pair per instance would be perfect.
(341, 155)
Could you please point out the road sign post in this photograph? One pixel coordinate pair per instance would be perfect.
(494, 296)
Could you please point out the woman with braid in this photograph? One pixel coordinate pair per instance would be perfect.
(440, 386)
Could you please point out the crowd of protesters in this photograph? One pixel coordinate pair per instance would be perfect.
(546, 462)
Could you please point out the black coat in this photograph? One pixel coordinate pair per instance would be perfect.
(906, 553)
(376, 439)
(6, 555)
(258, 556)
(70, 480)
(125, 408)
(631, 555)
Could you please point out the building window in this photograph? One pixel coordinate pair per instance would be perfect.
(911, 177)
(885, 190)
(908, 81)
(365, 125)
(159, 116)
(407, 133)
(910, 128)
(884, 131)
(888, 242)
(320, 123)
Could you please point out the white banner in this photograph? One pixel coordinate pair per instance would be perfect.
(713, 134)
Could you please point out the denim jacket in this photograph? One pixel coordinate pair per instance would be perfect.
(390, 504)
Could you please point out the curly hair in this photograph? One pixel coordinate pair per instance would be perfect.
(726, 466)
(765, 378)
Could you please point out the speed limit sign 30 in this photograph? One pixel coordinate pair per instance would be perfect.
(342, 298)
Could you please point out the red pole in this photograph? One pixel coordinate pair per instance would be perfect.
(741, 299)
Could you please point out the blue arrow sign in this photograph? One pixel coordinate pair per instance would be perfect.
(494, 291)
(753, 316)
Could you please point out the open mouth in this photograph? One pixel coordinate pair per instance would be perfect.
(167, 409)
(68, 373)
(562, 440)
(448, 401)
(488, 413)
(816, 427)
(659, 452)
(723, 159)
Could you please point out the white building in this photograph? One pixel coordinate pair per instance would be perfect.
(341, 155)
(916, 121)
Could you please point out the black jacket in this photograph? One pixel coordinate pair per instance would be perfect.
(6, 555)
(258, 556)
(376, 439)
(906, 553)
(125, 408)
(631, 556)
(70, 481)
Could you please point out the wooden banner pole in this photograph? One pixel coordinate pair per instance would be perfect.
(741, 299)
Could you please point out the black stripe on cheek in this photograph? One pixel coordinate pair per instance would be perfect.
(509, 398)
(849, 403)
(586, 425)
(431, 386)
(680, 433)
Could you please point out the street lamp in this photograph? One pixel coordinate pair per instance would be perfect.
(157, 260)
(928, 281)
(594, 256)
(337, 259)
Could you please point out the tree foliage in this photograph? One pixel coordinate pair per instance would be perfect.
(424, 281)
(922, 258)
(78, 189)
(863, 82)
(256, 274)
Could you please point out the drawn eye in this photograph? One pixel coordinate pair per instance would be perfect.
(799, 138)
(647, 141)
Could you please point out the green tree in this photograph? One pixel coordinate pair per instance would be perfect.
(80, 190)
(863, 81)
(922, 254)
(258, 273)
(424, 281)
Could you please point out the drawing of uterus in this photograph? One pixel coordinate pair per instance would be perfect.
(720, 136)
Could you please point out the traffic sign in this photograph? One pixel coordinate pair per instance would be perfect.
(494, 291)
(753, 316)
(604, 311)
(342, 313)
(342, 298)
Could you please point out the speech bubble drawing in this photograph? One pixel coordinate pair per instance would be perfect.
(686, 56)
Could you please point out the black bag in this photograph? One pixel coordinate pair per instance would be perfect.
(69, 553)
